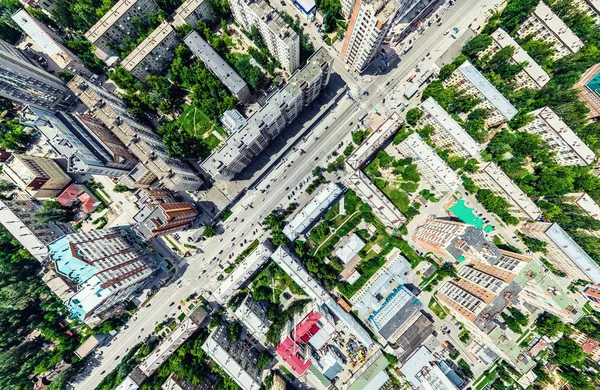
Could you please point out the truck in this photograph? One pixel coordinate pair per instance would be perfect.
(407, 49)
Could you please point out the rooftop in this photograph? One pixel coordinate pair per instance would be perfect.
(397, 308)
(570, 248)
(533, 70)
(144, 49)
(348, 247)
(557, 27)
(313, 209)
(110, 18)
(490, 92)
(372, 375)
(214, 62)
(374, 141)
(452, 127)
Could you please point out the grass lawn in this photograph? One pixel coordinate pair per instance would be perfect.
(200, 126)
(488, 378)
(437, 309)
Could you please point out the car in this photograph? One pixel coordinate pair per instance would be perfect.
(148, 305)
(103, 372)
(221, 251)
(365, 93)
(283, 3)
(117, 358)
(447, 32)
(316, 158)
(171, 304)
(178, 307)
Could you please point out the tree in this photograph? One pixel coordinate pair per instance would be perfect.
(413, 115)
(359, 136)
(210, 231)
(12, 135)
(264, 359)
(235, 329)
(51, 211)
(567, 352)
(476, 45)
(120, 188)
(550, 325)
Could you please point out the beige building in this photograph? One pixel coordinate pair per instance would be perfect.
(563, 252)
(546, 26)
(191, 12)
(590, 7)
(118, 23)
(469, 80)
(585, 203)
(143, 142)
(448, 134)
(491, 177)
(569, 149)
(154, 54)
(40, 177)
(532, 76)
(432, 168)
(282, 41)
(369, 23)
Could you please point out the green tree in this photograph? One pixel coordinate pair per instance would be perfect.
(413, 115)
(567, 352)
(51, 211)
(210, 231)
(550, 325)
(476, 45)
(120, 188)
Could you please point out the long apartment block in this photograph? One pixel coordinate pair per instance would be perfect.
(532, 76)
(590, 7)
(569, 149)
(469, 80)
(118, 23)
(491, 177)
(431, 166)
(546, 26)
(282, 108)
(218, 66)
(282, 41)
(191, 12)
(563, 252)
(141, 140)
(369, 24)
(448, 134)
(154, 54)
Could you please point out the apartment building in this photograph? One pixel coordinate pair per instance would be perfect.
(237, 358)
(218, 66)
(563, 252)
(303, 219)
(25, 82)
(546, 26)
(369, 23)
(585, 203)
(143, 142)
(191, 12)
(431, 166)
(569, 149)
(491, 177)
(118, 23)
(253, 314)
(17, 217)
(448, 134)
(455, 240)
(467, 79)
(138, 177)
(282, 108)
(107, 265)
(71, 139)
(590, 7)
(50, 43)
(40, 177)
(154, 54)
(283, 42)
(161, 214)
(382, 207)
(374, 141)
(532, 76)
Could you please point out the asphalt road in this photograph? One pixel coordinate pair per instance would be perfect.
(199, 273)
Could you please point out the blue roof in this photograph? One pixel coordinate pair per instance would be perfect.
(67, 264)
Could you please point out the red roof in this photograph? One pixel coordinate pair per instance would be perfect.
(537, 348)
(307, 327)
(589, 346)
(68, 195)
(290, 353)
(88, 202)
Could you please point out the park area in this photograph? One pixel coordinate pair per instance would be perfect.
(201, 127)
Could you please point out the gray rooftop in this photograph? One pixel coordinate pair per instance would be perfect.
(577, 255)
(488, 90)
(214, 62)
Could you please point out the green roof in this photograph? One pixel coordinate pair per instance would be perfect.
(365, 378)
(594, 84)
(461, 258)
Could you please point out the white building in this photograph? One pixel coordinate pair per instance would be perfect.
(191, 12)
(382, 207)
(569, 148)
(532, 76)
(585, 203)
(50, 44)
(590, 7)
(563, 252)
(431, 166)
(491, 177)
(305, 217)
(349, 247)
(546, 26)
(448, 134)
(253, 314)
(282, 41)
(369, 23)
(467, 79)
(233, 121)
(374, 141)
